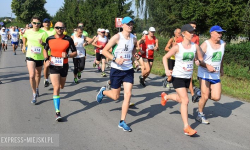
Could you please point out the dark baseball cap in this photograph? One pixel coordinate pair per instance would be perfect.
(46, 19)
(187, 27)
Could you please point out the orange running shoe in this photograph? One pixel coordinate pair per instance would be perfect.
(189, 131)
(163, 101)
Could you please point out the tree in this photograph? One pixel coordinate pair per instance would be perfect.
(26, 9)
(94, 14)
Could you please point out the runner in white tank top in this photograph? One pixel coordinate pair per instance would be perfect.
(210, 70)
(79, 61)
(122, 71)
(183, 69)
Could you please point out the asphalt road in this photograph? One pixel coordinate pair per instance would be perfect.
(88, 125)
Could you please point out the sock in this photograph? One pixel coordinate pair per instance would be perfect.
(37, 89)
(46, 79)
(200, 113)
(34, 94)
(121, 121)
(56, 99)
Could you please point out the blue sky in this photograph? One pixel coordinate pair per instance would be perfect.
(52, 6)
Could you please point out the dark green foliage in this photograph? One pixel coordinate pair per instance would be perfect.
(237, 60)
(94, 14)
(26, 9)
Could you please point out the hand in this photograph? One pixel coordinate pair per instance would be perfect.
(24, 49)
(100, 46)
(40, 41)
(210, 68)
(156, 48)
(197, 62)
(142, 52)
(76, 43)
(64, 55)
(168, 72)
(47, 63)
(119, 61)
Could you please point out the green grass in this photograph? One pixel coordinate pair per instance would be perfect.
(238, 88)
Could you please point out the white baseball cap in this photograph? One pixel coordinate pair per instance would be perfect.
(107, 30)
(145, 32)
(99, 30)
(3, 27)
(102, 30)
(152, 29)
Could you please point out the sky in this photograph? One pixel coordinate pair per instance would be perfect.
(51, 6)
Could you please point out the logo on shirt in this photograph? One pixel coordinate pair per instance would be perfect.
(126, 48)
(216, 57)
(188, 56)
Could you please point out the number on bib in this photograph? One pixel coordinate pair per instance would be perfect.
(36, 50)
(56, 61)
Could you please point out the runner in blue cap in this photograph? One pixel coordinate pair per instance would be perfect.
(210, 70)
(121, 71)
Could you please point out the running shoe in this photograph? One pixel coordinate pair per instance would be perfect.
(197, 95)
(46, 83)
(37, 93)
(163, 101)
(201, 118)
(124, 126)
(131, 104)
(99, 69)
(100, 95)
(58, 116)
(141, 81)
(14, 53)
(103, 74)
(189, 131)
(33, 101)
(75, 81)
(0, 82)
(79, 75)
(94, 64)
(108, 85)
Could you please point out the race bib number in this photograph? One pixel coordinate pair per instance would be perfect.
(151, 47)
(36, 50)
(80, 53)
(188, 66)
(56, 61)
(100, 51)
(125, 56)
(217, 68)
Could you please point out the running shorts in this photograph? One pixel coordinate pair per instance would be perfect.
(21, 41)
(211, 81)
(171, 64)
(39, 63)
(117, 77)
(99, 56)
(180, 82)
(63, 71)
(14, 43)
(4, 42)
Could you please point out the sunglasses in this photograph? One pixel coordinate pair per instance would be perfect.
(191, 32)
(130, 24)
(219, 32)
(59, 28)
(36, 23)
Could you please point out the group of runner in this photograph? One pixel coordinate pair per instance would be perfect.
(50, 47)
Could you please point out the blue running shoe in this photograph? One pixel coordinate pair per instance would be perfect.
(99, 96)
(33, 101)
(124, 126)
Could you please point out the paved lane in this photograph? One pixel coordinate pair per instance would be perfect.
(89, 125)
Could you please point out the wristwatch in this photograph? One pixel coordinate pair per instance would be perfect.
(67, 55)
(114, 58)
(46, 59)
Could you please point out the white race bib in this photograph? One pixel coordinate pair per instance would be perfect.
(217, 68)
(36, 50)
(56, 61)
(100, 51)
(151, 47)
(125, 56)
(188, 66)
(80, 53)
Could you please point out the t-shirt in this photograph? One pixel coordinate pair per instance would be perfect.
(14, 36)
(35, 49)
(3, 35)
(50, 32)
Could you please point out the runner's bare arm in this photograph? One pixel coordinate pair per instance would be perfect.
(165, 58)
(94, 43)
(24, 44)
(167, 48)
(202, 63)
(135, 45)
(156, 48)
(114, 40)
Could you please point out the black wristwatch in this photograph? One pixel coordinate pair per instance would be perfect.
(67, 55)
(46, 59)
(114, 58)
